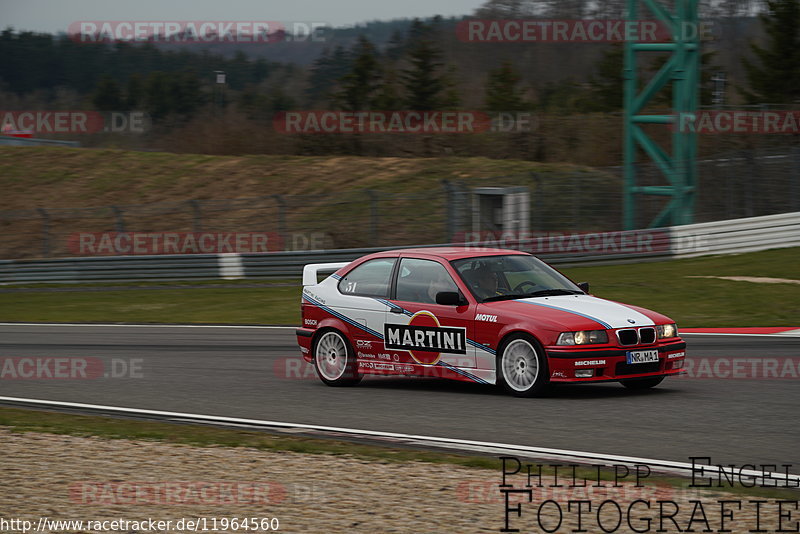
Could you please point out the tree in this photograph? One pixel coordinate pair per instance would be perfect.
(157, 95)
(185, 93)
(387, 98)
(108, 95)
(134, 92)
(777, 78)
(564, 9)
(395, 46)
(423, 80)
(359, 86)
(503, 9)
(502, 92)
(325, 72)
(607, 84)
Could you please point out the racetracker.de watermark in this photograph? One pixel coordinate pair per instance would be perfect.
(69, 368)
(578, 31)
(739, 122)
(154, 243)
(403, 122)
(196, 31)
(74, 121)
(622, 242)
(742, 368)
(177, 492)
(203, 492)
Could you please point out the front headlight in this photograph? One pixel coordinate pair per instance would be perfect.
(667, 330)
(584, 337)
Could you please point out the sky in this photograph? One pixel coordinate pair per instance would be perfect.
(56, 15)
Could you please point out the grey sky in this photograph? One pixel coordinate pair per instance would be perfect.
(56, 15)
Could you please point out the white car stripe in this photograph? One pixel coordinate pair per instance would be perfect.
(603, 311)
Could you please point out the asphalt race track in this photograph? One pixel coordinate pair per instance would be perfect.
(243, 372)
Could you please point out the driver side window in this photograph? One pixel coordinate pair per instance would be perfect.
(420, 280)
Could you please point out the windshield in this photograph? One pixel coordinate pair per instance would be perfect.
(513, 276)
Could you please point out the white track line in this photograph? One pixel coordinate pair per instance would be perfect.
(791, 480)
(788, 333)
(265, 327)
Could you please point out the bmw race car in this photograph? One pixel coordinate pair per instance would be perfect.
(489, 316)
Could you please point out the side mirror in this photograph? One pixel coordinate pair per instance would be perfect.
(584, 287)
(449, 298)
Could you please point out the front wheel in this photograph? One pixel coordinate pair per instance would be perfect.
(334, 360)
(522, 367)
(642, 383)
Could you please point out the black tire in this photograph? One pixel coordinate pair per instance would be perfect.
(334, 359)
(642, 383)
(516, 358)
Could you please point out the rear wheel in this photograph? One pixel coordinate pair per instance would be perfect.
(522, 367)
(334, 360)
(642, 383)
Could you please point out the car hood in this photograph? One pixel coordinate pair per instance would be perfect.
(568, 310)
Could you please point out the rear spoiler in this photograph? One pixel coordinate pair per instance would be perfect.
(311, 270)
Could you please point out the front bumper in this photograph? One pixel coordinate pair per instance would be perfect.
(610, 363)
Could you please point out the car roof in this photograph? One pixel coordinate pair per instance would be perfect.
(449, 253)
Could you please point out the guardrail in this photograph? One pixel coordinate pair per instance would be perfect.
(736, 236)
(722, 237)
(8, 140)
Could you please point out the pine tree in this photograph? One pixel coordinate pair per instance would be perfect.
(108, 95)
(423, 80)
(157, 95)
(607, 84)
(503, 9)
(134, 92)
(395, 46)
(777, 78)
(502, 92)
(185, 94)
(387, 98)
(325, 72)
(358, 87)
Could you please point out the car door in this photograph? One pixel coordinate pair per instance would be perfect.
(361, 304)
(418, 329)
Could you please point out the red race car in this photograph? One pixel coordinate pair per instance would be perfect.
(482, 315)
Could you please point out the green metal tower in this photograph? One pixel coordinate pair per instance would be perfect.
(682, 73)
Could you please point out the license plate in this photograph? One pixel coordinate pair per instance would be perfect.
(642, 356)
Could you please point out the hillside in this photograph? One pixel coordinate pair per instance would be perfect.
(151, 192)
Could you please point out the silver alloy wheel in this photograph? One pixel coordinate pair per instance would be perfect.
(520, 365)
(331, 356)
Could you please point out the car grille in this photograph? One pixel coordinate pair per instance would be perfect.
(636, 368)
(628, 337)
(632, 336)
(647, 335)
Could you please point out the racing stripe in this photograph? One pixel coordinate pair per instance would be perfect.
(462, 372)
(559, 308)
(343, 317)
(482, 346)
(457, 370)
(394, 306)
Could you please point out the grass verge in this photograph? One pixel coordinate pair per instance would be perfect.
(27, 420)
(667, 287)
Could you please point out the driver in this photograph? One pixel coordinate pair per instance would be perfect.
(486, 283)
